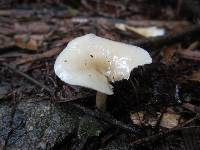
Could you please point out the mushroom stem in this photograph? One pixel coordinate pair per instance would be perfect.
(101, 101)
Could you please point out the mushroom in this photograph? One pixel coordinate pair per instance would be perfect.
(93, 62)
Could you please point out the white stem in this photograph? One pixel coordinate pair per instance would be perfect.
(101, 101)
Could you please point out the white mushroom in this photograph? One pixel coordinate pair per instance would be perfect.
(93, 62)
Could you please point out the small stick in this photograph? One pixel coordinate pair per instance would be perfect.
(106, 118)
(191, 33)
(156, 136)
(34, 57)
(189, 54)
(51, 92)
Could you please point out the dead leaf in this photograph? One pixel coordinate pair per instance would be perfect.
(137, 118)
(30, 42)
(141, 118)
(168, 120)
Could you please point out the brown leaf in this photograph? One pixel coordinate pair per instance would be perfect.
(30, 42)
(168, 120)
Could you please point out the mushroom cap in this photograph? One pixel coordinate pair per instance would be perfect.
(91, 61)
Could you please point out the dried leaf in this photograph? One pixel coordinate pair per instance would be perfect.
(140, 118)
(168, 120)
(137, 118)
(30, 42)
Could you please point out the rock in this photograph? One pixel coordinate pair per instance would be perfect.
(35, 124)
(89, 127)
(41, 125)
(5, 120)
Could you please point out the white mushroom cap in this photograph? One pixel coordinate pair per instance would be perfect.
(91, 61)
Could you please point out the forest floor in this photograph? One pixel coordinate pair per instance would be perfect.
(157, 108)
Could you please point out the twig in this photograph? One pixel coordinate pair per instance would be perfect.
(32, 58)
(189, 54)
(161, 134)
(5, 42)
(159, 23)
(191, 33)
(106, 118)
(191, 107)
(51, 92)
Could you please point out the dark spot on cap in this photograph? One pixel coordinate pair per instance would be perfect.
(65, 60)
(91, 56)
